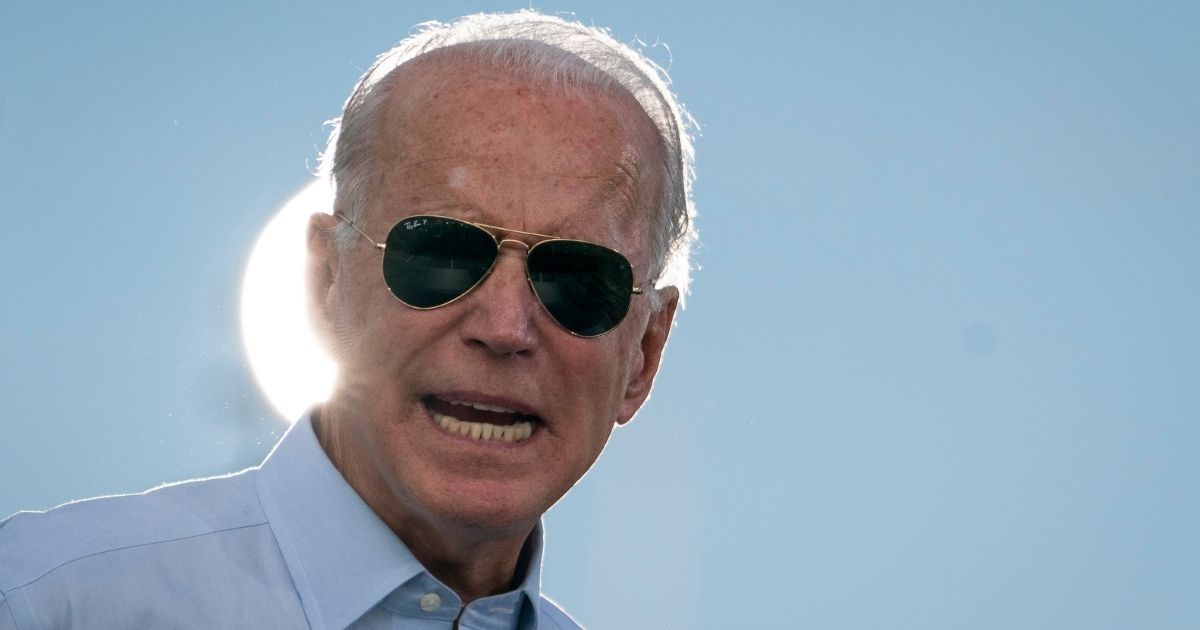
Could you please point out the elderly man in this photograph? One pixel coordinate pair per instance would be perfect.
(511, 190)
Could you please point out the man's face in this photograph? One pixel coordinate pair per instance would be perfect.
(493, 149)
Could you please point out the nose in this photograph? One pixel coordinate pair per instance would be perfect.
(501, 315)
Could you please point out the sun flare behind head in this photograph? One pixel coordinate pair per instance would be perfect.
(285, 357)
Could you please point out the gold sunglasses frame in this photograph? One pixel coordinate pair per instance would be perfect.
(500, 242)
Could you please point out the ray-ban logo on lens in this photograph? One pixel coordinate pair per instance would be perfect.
(413, 224)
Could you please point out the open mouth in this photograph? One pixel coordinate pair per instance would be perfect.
(480, 421)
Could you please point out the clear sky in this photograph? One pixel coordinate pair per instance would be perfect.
(941, 366)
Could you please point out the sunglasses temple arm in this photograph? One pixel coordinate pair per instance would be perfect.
(379, 246)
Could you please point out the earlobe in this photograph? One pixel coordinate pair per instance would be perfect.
(321, 271)
(653, 342)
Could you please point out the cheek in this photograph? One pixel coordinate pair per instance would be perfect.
(364, 311)
(352, 320)
(601, 377)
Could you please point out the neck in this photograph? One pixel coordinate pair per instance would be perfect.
(472, 561)
(477, 571)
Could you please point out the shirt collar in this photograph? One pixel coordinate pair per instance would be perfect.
(343, 558)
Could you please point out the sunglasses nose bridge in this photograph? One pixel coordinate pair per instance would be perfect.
(512, 242)
(515, 244)
(502, 315)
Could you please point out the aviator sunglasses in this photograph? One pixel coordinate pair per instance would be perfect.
(431, 261)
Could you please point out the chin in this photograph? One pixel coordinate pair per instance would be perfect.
(490, 506)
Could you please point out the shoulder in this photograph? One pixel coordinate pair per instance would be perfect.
(35, 544)
(552, 617)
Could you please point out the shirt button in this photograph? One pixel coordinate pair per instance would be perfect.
(431, 602)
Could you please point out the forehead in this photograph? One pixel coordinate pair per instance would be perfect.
(458, 132)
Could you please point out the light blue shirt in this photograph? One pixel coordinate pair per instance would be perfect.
(288, 544)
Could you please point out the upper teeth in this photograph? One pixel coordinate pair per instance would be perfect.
(516, 432)
(483, 407)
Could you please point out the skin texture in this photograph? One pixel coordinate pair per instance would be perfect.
(489, 147)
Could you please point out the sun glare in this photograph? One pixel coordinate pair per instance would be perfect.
(292, 369)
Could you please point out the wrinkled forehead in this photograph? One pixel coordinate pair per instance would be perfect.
(418, 85)
(423, 139)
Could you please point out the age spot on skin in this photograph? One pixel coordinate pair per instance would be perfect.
(629, 155)
(457, 177)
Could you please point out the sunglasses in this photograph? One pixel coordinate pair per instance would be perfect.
(431, 261)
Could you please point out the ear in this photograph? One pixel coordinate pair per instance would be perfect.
(321, 269)
(653, 342)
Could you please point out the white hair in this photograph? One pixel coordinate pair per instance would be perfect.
(544, 49)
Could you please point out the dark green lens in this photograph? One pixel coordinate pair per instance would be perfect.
(584, 287)
(430, 261)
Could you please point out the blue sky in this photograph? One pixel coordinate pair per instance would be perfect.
(939, 369)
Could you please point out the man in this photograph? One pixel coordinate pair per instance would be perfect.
(511, 190)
